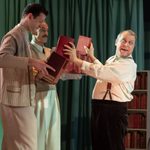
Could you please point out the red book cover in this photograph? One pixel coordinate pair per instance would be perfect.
(81, 53)
(135, 101)
(142, 144)
(138, 140)
(136, 120)
(143, 121)
(143, 101)
(127, 140)
(133, 139)
(143, 80)
(130, 121)
(58, 62)
(63, 40)
(83, 41)
(137, 85)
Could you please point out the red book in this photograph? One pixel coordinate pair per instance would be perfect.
(63, 40)
(143, 140)
(81, 53)
(127, 140)
(143, 101)
(144, 80)
(58, 62)
(137, 85)
(83, 41)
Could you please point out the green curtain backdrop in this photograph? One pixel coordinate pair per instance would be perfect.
(147, 45)
(100, 19)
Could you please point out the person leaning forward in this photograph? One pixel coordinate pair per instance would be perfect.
(112, 91)
(17, 89)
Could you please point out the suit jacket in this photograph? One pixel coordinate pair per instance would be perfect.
(17, 86)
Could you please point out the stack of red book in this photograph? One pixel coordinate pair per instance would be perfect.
(60, 62)
(83, 41)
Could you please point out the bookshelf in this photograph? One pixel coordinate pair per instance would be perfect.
(138, 133)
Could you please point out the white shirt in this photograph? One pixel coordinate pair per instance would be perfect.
(38, 47)
(120, 72)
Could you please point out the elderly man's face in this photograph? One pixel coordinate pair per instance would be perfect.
(125, 44)
(42, 33)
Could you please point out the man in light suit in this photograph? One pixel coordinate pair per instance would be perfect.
(17, 88)
(47, 107)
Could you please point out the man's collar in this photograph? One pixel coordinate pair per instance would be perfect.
(38, 47)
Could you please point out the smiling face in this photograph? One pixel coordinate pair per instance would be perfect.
(125, 44)
(35, 22)
(42, 33)
(32, 16)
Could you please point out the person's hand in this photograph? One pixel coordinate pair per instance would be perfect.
(70, 51)
(39, 76)
(40, 66)
(89, 51)
(36, 74)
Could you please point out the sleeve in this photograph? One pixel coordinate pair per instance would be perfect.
(8, 49)
(123, 70)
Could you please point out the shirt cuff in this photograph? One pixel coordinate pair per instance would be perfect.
(86, 65)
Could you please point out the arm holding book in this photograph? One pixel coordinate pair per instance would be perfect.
(90, 52)
(71, 51)
(112, 91)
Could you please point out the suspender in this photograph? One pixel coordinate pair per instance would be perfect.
(108, 91)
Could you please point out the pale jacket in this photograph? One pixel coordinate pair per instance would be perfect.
(16, 80)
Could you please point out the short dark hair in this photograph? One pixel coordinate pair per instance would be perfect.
(35, 9)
